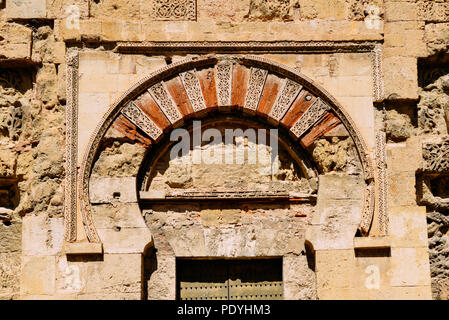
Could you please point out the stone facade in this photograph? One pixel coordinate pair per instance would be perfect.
(92, 206)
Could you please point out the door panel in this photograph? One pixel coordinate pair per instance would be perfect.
(255, 279)
(203, 280)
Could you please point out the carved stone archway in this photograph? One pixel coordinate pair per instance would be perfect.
(249, 84)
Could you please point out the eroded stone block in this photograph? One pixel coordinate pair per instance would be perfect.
(16, 42)
(410, 267)
(42, 236)
(125, 240)
(38, 275)
(109, 190)
(26, 9)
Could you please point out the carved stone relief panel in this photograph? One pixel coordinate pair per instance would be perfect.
(165, 102)
(309, 118)
(288, 94)
(255, 88)
(223, 74)
(141, 120)
(174, 10)
(436, 156)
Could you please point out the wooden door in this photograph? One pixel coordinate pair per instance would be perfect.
(252, 279)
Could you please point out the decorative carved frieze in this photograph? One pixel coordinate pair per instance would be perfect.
(165, 102)
(436, 156)
(255, 87)
(381, 166)
(312, 115)
(156, 195)
(174, 10)
(193, 88)
(223, 76)
(287, 95)
(141, 120)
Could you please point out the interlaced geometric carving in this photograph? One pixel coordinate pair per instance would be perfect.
(193, 89)
(141, 120)
(255, 88)
(174, 10)
(165, 102)
(223, 74)
(288, 94)
(312, 115)
(436, 156)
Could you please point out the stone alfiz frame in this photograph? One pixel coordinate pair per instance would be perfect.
(76, 202)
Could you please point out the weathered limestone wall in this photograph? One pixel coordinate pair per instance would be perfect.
(413, 111)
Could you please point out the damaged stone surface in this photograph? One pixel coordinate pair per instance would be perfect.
(433, 107)
(10, 259)
(119, 159)
(255, 167)
(438, 226)
(15, 42)
(336, 155)
(272, 9)
(231, 231)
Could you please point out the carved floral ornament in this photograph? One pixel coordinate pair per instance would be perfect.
(208, 84)
(174, 10)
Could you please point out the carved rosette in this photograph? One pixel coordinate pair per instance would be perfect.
(223, 75)
(312, 115)
(255, 88)
(174, 10)
(134, 114)
(287, 95)
(193, 89)
(165, 102)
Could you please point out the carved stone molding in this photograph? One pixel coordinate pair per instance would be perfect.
(381, 168)
(249, 46)
(368, 210)
(71, 146)
(378, 84)
(174, 10)
(141, 120)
